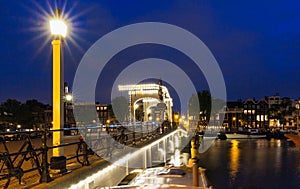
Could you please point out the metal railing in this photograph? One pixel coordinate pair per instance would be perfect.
(17, 149)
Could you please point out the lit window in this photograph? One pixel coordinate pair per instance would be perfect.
(97, 107)
(105, 108)
(253, 111)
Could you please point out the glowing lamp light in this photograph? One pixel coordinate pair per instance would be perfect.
(136, 106)
(69, 97)
(58, 27)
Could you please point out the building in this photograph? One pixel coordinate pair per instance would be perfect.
(233, 116)
(249, 114)
(256, 113)
(273, 100)
(104, 112)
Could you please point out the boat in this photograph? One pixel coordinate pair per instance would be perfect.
(244, 136)
(251, 134)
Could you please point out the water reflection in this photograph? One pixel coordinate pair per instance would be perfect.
(234, 159)
(252, 163)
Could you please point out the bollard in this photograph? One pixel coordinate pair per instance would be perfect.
(194, 152)
(195, 175)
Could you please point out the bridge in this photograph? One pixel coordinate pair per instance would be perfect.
(155, 100)
(100, 151)
(86, 169)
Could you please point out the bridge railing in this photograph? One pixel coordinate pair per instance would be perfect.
(30, 152)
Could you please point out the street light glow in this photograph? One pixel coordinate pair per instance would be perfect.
(58, 27)
(69, 97)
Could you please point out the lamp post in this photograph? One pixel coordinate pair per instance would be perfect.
(297, 114)
(58, 29)
(67, 100)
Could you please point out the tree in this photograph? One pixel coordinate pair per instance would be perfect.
(33, 113)
(29, 115)
(10, 112)
(120, 108)
(193, 107)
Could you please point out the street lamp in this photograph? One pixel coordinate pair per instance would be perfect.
(67, 100)
(58, 29)
(298, 114)
(69, 97)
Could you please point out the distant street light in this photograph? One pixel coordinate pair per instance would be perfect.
(69, 97)
(58, 30)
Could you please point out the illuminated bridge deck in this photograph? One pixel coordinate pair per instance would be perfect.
(104, 174)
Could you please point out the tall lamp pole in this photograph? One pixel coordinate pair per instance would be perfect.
(298, 114)
(59, 31)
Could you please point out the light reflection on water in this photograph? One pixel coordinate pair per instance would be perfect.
(234, 159)
(252, 164)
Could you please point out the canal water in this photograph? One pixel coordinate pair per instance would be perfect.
(252, 164)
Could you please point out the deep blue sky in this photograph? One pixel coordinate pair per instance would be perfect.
(256, 43)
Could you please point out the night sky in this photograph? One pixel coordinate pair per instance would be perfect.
(256, 43)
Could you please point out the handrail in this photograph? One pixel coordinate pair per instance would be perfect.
(11, 165)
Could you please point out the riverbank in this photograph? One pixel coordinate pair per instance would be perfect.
(294, 138)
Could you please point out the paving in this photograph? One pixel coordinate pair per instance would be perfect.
(31, 179)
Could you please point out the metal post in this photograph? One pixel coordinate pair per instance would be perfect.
(145, 158)
(165, 152)
(57, 121)
(297, 116)
(195, 175)
(150, 156)
(45, 176)
(297, 121)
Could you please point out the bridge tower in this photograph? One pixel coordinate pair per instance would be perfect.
(153, 100)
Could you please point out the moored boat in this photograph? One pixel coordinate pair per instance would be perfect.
(245, 136)
(250, 134)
